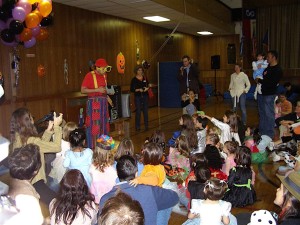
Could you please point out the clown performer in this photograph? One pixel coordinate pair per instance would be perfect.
(97, 117)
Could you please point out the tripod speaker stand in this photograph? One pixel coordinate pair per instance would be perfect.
(215, 64)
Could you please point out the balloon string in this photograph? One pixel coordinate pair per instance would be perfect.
(170, 35)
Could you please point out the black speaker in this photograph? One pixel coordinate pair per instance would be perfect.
(115, 112)
(215, 62)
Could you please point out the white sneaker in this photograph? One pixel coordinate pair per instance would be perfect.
(276, 158)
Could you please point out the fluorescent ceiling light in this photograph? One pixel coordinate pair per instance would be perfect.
(205, 33)
(156, 18)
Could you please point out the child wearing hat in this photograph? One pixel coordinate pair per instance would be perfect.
(103, 173)
(94, 85)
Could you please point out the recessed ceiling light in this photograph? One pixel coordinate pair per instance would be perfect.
(205, 33)
(156, 18)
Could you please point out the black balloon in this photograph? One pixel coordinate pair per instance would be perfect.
(47, 21)
(7, 35)
(3, 14)
(9, 2)
(16, 26)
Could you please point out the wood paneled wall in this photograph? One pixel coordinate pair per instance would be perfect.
(79, 35)
(217, 45)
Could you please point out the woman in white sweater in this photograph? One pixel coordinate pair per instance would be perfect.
(238, 87)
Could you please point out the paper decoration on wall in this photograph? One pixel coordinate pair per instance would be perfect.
(41, 71)
(66, 72)
(145, 64)
(137, 52)
(121, 63)
(1, 85)
(15, 65)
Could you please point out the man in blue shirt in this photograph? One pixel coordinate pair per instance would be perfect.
(154, 200)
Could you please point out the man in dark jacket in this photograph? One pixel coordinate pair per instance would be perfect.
(188, 78)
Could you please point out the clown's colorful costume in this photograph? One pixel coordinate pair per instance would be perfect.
(97, 117)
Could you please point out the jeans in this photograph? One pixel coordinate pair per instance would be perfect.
(242, 103)
(163, 216)
(141, 104)
(46, 194)
(266, 114)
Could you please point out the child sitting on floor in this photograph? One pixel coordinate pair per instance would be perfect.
(103, 173)
(240, 181)
(58, 170)
(230, 148)
(79, 157)
(211, 210)
(229, 126)
(212, 154)
(201, 128)
(153, 173)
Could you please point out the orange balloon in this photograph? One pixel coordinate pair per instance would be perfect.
(32, 20)
(45, 8)
(26, 34)
(43, 35)
(41, 71)
(34, 1)
(38, 13)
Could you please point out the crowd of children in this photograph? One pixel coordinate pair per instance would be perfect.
(209, 164)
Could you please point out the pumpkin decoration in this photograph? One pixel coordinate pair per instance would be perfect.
(121, 63)
(41, 71)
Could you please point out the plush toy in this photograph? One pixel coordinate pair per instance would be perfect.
(263, 217)
(121, 63)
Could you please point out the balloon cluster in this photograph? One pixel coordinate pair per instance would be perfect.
(24, 21)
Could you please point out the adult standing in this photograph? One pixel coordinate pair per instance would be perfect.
(238, 87)
(188, 78)
(271, 77)
(139, 86)
(97, 117)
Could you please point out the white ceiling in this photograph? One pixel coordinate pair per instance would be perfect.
(136, 9)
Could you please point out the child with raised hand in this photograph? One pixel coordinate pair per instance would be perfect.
(79, 157)
(153, 173)
(201, 129)
(103, 173)
(229, 126)
(188, 129)
(58, 170)
(74, 203)
(211, 210)
(230, 148)
(241, 180)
